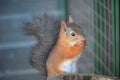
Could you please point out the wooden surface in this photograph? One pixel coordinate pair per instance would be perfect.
(81, 77)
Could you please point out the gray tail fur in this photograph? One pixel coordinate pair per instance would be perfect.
(46, 30)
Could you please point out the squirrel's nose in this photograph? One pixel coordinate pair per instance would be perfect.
(83, 42)
(81, 38)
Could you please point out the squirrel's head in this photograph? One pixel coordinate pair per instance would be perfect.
(71, 33)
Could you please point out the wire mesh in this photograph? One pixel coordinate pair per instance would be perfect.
(100, 21)
(106, 50)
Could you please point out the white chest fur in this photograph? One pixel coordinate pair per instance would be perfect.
(69, 66)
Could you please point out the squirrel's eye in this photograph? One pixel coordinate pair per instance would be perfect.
(72, 33)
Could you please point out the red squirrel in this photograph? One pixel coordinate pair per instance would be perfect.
(58, 47)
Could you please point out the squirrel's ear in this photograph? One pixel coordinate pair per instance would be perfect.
(71, 20)
(63, 25)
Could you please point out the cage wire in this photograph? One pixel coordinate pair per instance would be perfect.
(102, 30)
(102, 23)
(106, 59)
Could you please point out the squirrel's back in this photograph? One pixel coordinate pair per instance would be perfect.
(46, 30)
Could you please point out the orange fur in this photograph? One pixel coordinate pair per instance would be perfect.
(63, 50)
(59, 54)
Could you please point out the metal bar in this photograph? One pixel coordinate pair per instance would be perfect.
(115, 37)
(64, 7)
(108, 33)
(102, 25)
(96, 37)
(100, 51)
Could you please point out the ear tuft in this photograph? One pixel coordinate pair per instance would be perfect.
(63, 24)
(63, 28)
(71, 20)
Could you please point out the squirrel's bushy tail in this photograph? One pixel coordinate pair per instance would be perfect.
(46, 30)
